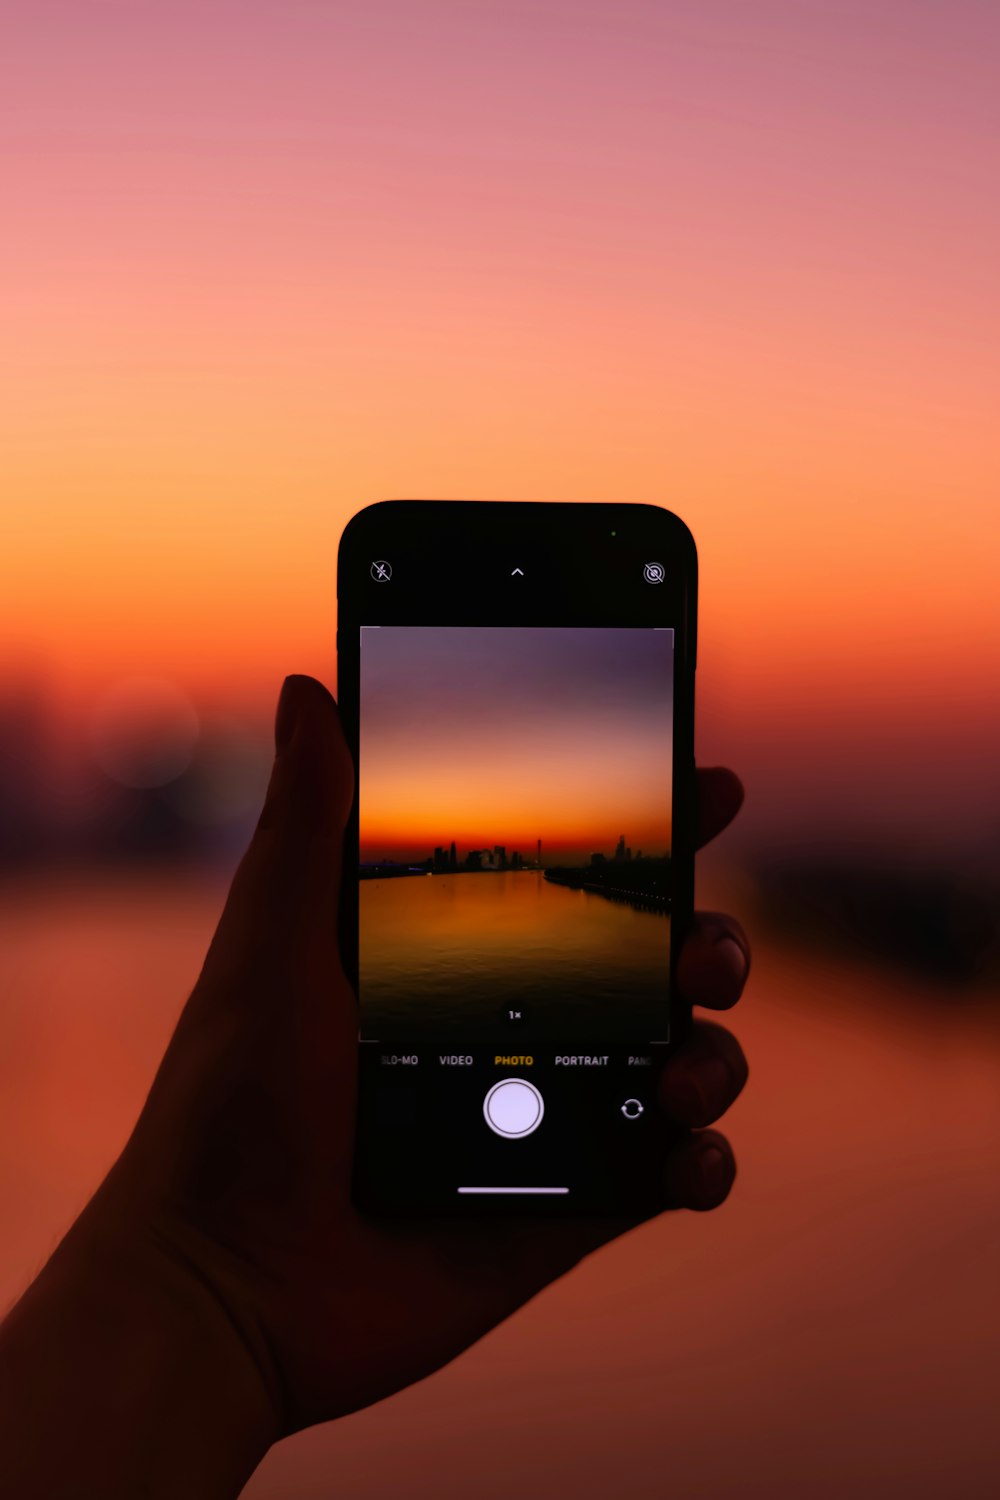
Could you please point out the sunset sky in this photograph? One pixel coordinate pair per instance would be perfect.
(263, 264)
(505, 736)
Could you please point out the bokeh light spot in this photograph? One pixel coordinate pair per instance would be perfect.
(143, 731)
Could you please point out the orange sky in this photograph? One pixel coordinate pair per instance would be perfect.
(263, 265)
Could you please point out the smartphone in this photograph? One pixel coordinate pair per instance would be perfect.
(516, 682)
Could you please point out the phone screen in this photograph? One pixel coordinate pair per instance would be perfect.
(515, 902)
(514, 839)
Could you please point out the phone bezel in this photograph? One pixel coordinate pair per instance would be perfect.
(442, 534)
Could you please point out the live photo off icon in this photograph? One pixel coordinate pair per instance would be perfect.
(654, 572)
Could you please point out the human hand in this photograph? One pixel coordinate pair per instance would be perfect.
(241, 1160)
(234, 1188)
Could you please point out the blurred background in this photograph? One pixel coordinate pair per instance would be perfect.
(264, 263)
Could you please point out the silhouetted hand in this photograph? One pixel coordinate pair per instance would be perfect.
(234, 1188)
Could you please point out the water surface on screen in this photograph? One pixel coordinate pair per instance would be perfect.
(515, 832)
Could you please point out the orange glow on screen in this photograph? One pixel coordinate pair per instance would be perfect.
(490, 736)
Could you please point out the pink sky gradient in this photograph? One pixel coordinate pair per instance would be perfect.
(265, 264)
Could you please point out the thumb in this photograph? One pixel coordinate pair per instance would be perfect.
(280, 917)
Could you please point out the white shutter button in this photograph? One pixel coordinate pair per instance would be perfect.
(513, 1107)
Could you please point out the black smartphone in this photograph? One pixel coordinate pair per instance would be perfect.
(516, 682)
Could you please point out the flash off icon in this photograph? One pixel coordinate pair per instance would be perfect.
(654, 572)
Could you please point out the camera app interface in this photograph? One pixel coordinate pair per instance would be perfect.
(515, 892)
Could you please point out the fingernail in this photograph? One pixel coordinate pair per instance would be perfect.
(287, 714)
(715, 1082)
(714, 1173)
(734, 958)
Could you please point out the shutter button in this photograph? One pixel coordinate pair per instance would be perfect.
(513, 1108)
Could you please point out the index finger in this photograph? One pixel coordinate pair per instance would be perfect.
(720, 796)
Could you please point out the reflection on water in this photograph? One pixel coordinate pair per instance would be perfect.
(456, 950)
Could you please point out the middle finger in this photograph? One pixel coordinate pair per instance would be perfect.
(714, 961)
(704, 1076)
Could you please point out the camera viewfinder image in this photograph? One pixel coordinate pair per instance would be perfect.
(515, 832)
